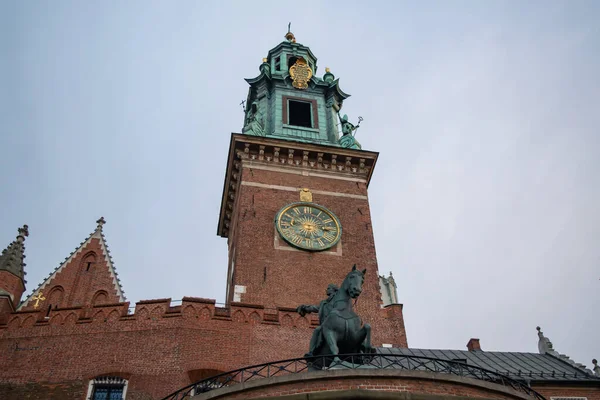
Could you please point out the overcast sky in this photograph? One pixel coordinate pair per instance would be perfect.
(486, 114)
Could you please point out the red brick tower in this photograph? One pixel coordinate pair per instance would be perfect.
(291, 151)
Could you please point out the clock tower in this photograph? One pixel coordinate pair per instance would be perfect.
(295, 208)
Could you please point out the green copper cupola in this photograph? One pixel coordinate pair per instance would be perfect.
(287, 100)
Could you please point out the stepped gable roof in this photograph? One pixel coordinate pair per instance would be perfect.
(97, 234)
(527, 366)
(12, 256)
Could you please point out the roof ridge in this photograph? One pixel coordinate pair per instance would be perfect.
(482, 351)
(567, 360)
(99, 234)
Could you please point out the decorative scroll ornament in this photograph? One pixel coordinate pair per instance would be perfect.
(301, 74)
(348, 141)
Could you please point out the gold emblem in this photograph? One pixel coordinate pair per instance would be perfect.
(39, 297)
(305, 195)
(301, 74)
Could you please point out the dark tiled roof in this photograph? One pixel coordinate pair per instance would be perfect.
(529, 366)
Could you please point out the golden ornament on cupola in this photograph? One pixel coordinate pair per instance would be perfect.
(300, 73)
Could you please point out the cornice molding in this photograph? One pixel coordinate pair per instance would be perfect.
(288, 154)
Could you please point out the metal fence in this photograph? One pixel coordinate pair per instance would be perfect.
(352, 361)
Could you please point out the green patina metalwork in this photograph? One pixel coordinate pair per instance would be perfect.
(268, 111)
(348, 129)
(340, 329)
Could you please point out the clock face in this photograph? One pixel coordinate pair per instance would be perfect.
(308, 226)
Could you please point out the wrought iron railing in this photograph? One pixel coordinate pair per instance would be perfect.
(352, 361)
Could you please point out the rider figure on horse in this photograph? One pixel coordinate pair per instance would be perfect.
(340, 329)
(323, 310)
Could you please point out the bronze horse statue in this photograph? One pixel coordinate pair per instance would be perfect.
(341, 330)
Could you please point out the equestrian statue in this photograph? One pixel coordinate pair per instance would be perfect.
(340, 329)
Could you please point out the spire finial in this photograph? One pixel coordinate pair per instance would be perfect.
(289, 35)
(23, 233)
(100, 223)
(544, 344)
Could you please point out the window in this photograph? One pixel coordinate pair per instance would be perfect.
(55, 296)
(568, 398)
(299, 113)
(277, 63)
(100, 297)
(107, 388)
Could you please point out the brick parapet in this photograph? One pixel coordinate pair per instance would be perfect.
(158, 340)
(190, 307)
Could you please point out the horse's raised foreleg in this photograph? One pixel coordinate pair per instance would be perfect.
(366, 341)
(331, 340)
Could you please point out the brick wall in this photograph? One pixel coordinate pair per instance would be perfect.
(568, 390)
(13, 285)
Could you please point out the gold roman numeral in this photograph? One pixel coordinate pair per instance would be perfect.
(297, 239)
(328, 236)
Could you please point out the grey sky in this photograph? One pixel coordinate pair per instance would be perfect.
(486, 114)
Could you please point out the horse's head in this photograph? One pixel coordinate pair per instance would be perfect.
(354, 281)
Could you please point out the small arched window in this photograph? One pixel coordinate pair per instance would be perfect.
(89, 261)
(107, 388)
(55, 297)
(100, 297)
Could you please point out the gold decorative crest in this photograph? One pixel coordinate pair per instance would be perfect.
(301, 74)
(305, 195)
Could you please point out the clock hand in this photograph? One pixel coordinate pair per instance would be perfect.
(327, 228)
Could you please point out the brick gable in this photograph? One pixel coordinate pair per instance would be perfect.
(87, 277)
